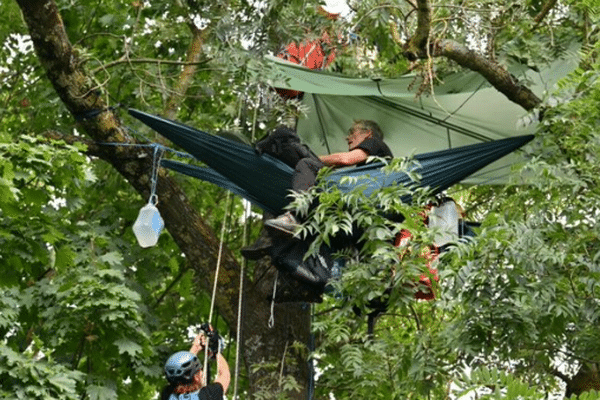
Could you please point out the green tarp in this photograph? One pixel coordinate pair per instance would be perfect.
(464, 110)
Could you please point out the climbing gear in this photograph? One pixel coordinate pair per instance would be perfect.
(214, 291)
(216, 343)
(271, 323)
(181, 367)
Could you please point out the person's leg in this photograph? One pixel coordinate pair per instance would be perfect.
(305, 176)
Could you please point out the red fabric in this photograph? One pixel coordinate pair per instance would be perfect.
(310, 54)
(424, 279)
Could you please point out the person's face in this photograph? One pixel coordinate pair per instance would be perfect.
(356, 137)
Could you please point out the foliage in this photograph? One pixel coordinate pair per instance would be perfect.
(24, 377)
(491, 383)
(540, 246)
(494, 384)
(67, 299)
(407, 356)
(84, 312)
(518, 303)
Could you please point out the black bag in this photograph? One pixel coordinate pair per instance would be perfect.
(284, 144)
(287, 254)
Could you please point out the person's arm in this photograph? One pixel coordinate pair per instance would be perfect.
(344, 159)
(223, 374)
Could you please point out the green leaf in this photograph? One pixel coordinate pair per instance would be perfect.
(65, 257)
(129, 347)
(96, 392)
(113, 258)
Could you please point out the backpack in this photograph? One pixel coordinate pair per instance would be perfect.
(284, 144)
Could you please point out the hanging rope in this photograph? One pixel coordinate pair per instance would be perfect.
(247, 210)
(214, 291)
(158, 153)
(239, 334)
(311, 360)
(155, 146)
(272, 317)
(240, 302)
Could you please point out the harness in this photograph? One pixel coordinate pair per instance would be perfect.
(185, 396)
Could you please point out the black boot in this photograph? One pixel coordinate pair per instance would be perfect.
(259, 249)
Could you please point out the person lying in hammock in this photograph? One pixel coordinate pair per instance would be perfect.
(365, 139)
(185, 375)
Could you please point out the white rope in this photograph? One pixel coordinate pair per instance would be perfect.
(272, 317)
(214, 292)
(239, 333)
(158, 153)
(238, 338)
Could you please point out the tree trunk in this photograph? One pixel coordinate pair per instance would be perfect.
(587, 378)
(194, 237)
(264, 344)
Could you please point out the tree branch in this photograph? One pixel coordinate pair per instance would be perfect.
(421, 46)
(415, 47)
(124, 60)
(187, 73)
(548, 6)
(494, 73)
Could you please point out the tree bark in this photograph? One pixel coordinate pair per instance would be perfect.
(586, 379)
(496, 74)
(548, 6)
(194, 237)
(187, 73)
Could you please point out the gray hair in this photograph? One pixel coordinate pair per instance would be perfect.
(366, 125)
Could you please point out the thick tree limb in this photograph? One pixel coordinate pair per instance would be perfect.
(415, 48)
(496, 74)
(187, 73)
(549, 5)
(421, 46)
(587, 378)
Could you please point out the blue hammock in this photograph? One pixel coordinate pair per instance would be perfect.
(266, 181)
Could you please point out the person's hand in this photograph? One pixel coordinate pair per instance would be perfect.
(215, 342)
(200, 340)
(198, 344)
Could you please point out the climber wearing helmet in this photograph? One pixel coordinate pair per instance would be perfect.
(185, 375)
